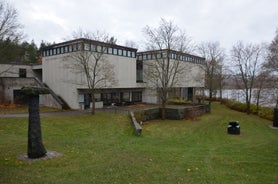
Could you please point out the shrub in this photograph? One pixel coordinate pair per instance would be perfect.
(263, 112)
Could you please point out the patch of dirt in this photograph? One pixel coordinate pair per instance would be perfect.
(49, 155)
(9, 105)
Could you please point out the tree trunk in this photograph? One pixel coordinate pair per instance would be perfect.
(93, 103)
(163, 110)
(35, 146)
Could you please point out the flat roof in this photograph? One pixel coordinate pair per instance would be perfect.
(85, 40)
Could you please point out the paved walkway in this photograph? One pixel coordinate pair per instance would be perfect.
(66, 113)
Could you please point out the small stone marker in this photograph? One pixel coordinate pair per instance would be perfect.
(36, 148)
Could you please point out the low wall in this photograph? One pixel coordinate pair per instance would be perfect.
(136, 127)
(171, 112)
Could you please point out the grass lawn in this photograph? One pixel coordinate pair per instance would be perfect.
(103, 149)
(15, 109)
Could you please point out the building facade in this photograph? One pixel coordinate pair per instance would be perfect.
(62, 73)
(188, 76)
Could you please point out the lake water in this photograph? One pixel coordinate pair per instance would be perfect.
(268, 96)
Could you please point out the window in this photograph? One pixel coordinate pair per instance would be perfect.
(158, 55)
(70, 48)
(58, 50)
(140, 57)
(124, 52)
(144, 56)
(74, 47)
(79, 46)
(164, 55)
(54, 51)
(115, 51)
(137, 96)
(139, 71)
(133, 54)
(104, 50)
(120, 52)
(66, 49)
(22, 72)
(86, 46)
(128, 53)
(110, 50)
(62, 50)
(99, 49)
(93, 48)
(50, 52)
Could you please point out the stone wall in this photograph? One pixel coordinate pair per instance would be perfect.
(174, 113)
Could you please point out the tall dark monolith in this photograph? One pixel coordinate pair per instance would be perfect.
(275, 117)
(36, 148)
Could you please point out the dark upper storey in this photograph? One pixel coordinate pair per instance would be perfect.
(88, 45)
(162, 54)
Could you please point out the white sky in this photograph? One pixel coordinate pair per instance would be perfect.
(225, 21)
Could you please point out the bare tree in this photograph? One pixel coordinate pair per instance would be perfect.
(272, 59)
(163, 71)
(246, 59)
(90, 61)
(9, 26)
(213, 66)
(131, 43)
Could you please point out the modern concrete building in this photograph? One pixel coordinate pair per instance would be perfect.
(60, 71)
(189, 74)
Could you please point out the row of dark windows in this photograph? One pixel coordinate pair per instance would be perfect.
(175, 56)
(88, 47)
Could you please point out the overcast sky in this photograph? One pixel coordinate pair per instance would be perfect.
(225, 21)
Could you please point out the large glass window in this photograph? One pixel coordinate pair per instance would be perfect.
(124, 52)
(137, 96)
(58, 50)
(120, 52)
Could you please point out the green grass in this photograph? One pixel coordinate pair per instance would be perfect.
(24, 109)
(103, 149)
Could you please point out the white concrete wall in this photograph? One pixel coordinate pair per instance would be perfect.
(191, 76)
(125, 71)
(12, 70)
(59, 75)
